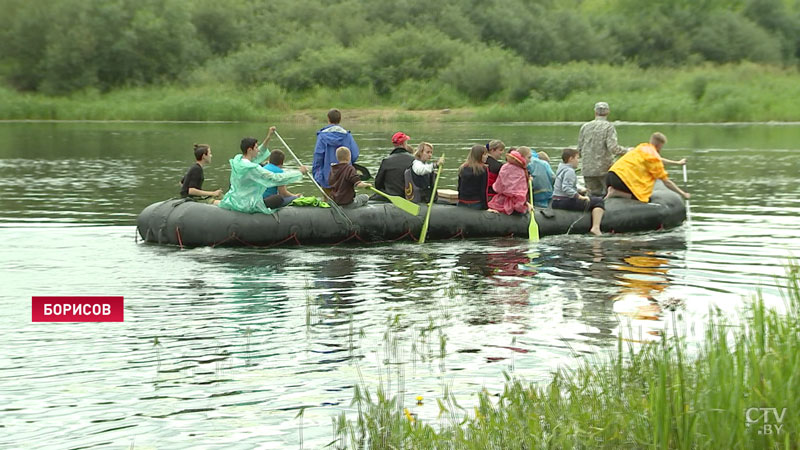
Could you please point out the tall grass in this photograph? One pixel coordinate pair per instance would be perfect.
(165, 103)
(741, 92)
(666, 395)
(731, 93)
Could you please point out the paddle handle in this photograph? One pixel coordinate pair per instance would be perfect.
(381, 193)
(297, 160)
(430, 206)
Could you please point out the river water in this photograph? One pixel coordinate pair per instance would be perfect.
(222, 348)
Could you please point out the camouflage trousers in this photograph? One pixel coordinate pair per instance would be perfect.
(596, 185)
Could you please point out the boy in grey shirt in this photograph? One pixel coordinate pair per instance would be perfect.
(566, 195)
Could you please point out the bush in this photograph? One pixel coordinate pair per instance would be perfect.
(557, 82)
(728, 37)
(331, 66)
(407, 53)
(480, 73)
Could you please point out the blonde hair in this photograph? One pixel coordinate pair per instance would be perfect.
(658, 138)
(524, 151)
(544, 156)
(495, 144)
(421, 148)
(343, 154)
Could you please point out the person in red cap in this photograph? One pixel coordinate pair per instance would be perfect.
(390, 178)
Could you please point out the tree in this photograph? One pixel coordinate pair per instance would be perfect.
(728, 37)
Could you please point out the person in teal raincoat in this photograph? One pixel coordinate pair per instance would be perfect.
(543, 179)
(249, 178)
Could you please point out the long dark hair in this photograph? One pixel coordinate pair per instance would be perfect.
(474, 160)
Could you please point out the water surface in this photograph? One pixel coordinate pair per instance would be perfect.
(248, 337)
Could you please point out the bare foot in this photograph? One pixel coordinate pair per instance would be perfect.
(493, 211)
(596, 231)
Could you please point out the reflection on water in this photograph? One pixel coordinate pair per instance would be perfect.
(232, 342)
(225, 346)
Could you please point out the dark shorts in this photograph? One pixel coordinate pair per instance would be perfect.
(277, 201)
(616, 182)
(576, 204)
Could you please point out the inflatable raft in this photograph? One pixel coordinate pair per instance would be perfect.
(186, 223)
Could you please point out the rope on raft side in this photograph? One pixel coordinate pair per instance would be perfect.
(291, 237)
(404, 235)
(354, 234)
(232, 236)
(459, 234)
(178, 233)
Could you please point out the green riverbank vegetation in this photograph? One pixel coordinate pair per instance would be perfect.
(736, 388)
(518, 60)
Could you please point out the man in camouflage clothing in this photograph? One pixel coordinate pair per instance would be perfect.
(597, 144)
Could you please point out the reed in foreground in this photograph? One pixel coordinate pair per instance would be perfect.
(737, 389)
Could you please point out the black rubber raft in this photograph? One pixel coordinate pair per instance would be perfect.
(186, 223)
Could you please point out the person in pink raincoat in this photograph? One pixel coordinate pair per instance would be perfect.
(511, 185)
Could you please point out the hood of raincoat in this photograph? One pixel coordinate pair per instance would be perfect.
(333, 135)
(513, 178)
(328, 140)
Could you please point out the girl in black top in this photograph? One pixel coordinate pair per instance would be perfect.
(472, 179)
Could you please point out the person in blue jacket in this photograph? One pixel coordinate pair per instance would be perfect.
(329, 138)
(543, 179)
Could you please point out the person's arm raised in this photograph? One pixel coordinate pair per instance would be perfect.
(270, 132)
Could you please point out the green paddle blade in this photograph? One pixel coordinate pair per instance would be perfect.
(533, 227)
(407, 206)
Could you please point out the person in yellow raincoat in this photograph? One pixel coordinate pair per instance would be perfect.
(249, 179)
(635, 174)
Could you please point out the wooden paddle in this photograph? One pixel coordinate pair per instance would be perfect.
(406, 205)
(533, 227)
(430, 206)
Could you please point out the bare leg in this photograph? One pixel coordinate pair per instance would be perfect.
(597, 218)
(617, 193)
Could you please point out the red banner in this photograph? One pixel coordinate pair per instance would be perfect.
(77, 309)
